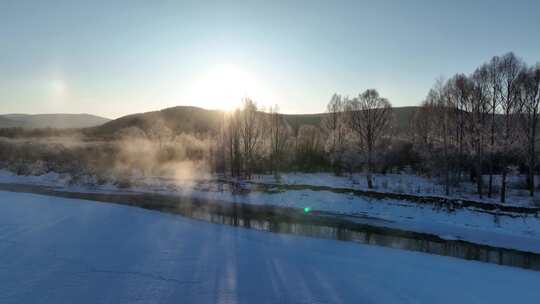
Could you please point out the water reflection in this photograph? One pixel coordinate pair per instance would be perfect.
(298, 222)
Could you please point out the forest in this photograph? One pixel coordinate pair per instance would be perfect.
(468, 126)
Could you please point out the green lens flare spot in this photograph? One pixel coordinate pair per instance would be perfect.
(307, 209)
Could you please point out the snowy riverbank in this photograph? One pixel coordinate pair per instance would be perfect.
(521, 232)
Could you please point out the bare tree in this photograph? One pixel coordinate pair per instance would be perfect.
(309, 148)
(232, 137)
(251, 133)
(477, 110)
(423, 126)
(279, 135)
(528, 92)
(219, 155)
(510, 67)
(458, 94)
(442, 110)
(369, 115)
(495, 82)
(334, 127)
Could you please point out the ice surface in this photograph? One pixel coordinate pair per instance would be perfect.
(56, 250)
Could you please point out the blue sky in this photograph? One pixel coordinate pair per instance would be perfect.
(113, 58)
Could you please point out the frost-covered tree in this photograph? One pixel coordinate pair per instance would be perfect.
(494, 93)
(334, 126)
(309, 149)
(251, 134)
(510, 67)
(528, 93)
(232, 139)
(159, 132)
(476, 124)
(369, 116)
(243, 134)
(279, 135)
(439, 98)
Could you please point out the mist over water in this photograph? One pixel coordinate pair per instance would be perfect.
(182, 158)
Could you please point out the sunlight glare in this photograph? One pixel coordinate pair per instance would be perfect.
(223, 87)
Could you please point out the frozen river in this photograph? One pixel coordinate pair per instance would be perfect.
(56, 250)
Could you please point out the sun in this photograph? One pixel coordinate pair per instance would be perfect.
(223, 87)
(58, 88)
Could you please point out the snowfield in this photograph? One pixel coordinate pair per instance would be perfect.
(58, 250)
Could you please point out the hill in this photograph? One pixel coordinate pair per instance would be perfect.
(181, 119)
(188, 119)
(57, 121)
(402, 117)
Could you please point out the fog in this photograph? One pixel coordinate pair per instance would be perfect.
(128, 157)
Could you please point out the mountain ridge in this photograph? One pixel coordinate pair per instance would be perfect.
(191, 119)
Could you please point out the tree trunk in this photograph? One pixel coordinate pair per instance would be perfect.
(231, 158)
(491, 153)
(532, 159)
(447, 180)
(479, 182)
(490, 183)
(503, 186)
(446, 161)
(369, 177)
(531, 179)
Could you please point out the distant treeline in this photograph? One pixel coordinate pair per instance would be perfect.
(19, 132)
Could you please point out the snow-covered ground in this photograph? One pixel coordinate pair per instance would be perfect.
(58, 250)
(391, 183)
(409, 184)
(521, 232)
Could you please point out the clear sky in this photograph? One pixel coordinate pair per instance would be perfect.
(113, 58)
